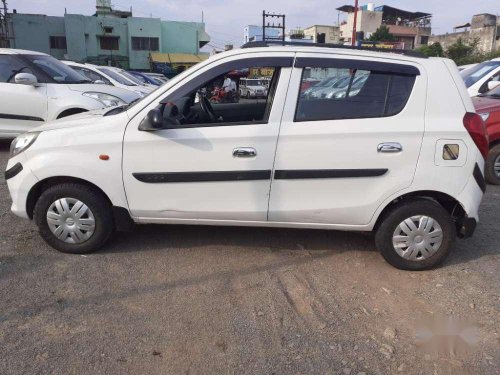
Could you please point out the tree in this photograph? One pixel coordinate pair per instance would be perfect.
(382, 34)
(464, 53)
(435, 50)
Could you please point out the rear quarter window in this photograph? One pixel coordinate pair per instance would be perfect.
(352, 93)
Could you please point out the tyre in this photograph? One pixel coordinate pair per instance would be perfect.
(492, 167)
(74, 218)
(416, 235)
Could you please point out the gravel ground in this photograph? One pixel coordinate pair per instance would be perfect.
(217, 300)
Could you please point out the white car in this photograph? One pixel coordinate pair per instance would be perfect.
(35, 87)
(392, 158)
(252, 88)
(464, 67)
(482, 77)
(110, 76)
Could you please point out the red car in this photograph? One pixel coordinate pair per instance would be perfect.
(488, 106)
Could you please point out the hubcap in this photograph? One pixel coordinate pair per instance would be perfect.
(417, 238)
(70, 220)
(496, 166)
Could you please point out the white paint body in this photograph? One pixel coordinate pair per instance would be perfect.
(71, 148)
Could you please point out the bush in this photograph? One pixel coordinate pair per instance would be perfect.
(461, 52)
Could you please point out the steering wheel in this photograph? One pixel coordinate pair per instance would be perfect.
(206, 106)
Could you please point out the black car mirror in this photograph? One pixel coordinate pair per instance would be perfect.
(152, 121)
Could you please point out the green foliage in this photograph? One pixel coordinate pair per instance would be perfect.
(435, 50)
(382, 34)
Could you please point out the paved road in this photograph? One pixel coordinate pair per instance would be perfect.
(208, 300)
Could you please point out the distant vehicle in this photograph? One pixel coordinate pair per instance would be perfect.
(393, 159)
(144, 78)
(488, 107)
(327, 87)
(35, 87)
(158, 76)
(464, 67)
(477, 79)
(132, 78)
(355, 87)
(108, 76)
(252, 88)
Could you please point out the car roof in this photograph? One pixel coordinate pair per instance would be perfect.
(14, 51)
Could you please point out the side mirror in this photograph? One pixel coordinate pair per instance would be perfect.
(25, 79)
(99, 82)
(152, 121)
(493, 84)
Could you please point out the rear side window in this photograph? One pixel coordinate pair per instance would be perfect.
(353, 92)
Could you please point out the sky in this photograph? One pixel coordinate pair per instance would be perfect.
(225, 19)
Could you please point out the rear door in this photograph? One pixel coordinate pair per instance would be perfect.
(22, 107)
(339, 155)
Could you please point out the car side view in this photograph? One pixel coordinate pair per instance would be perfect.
(385, 156)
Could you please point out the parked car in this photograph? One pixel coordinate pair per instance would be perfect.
(133, 78)
(108, 76)
(393, 159)
(488, 107)
(35, 87)
(482, 77)
(252, 88)
(144, 78)
(467, 66)
(158, 76)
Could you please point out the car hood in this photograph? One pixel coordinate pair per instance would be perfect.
(486, 104)
(84, 118)
(125, 95)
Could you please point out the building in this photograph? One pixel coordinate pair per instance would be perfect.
(323, 34)
(411, 29)
(109, 37)
(252, 33)
(485, 28)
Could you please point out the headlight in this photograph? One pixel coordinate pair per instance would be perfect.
(106, 99)
(22, 142)
(484, 116)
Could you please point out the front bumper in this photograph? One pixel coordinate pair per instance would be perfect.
(19, 180)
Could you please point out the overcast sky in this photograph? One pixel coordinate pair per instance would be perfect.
(225, 19)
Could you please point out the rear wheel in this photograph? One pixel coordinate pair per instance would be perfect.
(416, 235)
(492, 167)
(74, 218)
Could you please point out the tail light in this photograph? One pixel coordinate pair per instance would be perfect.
(477, 130)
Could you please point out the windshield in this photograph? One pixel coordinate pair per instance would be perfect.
(132, 77)
(254, 82)
(56, 70)
(117, 77)
(474, 74)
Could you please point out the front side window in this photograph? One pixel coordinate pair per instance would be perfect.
(10, 66)
(351, 93)
(218, 100)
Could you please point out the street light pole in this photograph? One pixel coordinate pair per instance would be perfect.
(353, 39)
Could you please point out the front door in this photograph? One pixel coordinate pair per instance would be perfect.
(215, 163)
(22, 107)
(346, 146)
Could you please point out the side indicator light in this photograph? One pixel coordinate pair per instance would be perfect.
(104, 157)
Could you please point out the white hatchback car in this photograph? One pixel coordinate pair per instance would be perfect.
(110, 76)
(482, 77)
(403, 156)
(35, 87)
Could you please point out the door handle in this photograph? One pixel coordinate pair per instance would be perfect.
(390, 147)
(244, 152)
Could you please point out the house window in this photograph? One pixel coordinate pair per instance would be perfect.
(145, 44)
(424, 39)
(58, 42)
(109, 42)
(108, 29)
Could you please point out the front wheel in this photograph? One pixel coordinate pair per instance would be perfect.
(416, 235)
(492, 167)
(74, 218)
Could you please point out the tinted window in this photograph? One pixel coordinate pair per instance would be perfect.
(341, 93)
(10, 66)
(93, 76)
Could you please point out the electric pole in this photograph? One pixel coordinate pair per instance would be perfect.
(353, 39)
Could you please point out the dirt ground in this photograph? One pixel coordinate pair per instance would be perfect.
(217, 300)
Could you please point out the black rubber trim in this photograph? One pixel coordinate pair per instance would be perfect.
(123, 221)
(169, 177)
(478, 176)
(20, 117)
(467, 227)
(14, 171)
(327, 173)
(373, 66)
